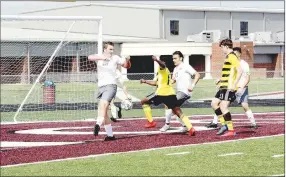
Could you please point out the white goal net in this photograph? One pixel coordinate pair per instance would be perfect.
(45, 73)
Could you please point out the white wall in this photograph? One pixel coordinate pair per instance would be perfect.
(116, 20)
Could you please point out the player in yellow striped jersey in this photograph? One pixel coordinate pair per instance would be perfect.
(164, 94)
(230, 76)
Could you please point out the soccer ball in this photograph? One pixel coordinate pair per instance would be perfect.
(126, 104)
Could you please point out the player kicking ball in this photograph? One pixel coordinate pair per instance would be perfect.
(182, 76)
(164, 94)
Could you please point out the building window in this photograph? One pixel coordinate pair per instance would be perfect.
(243, 28)
(174, 27)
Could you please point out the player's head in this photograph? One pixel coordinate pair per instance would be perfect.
(178, 58)
(226, 45)
(237, 51)
(108, 48)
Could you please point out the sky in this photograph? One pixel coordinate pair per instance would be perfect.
(16, 7)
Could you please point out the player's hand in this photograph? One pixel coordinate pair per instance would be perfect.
(142, 81)
(154, 58)
(217, 81)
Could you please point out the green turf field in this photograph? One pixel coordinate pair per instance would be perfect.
(86, 92)
(202, 160)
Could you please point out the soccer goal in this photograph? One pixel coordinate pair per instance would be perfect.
(45, 73)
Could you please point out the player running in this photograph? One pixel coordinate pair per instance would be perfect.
(182, 76)
(164, 94)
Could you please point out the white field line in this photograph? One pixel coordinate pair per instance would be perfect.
(144, 150)
(179, 153)
(279, 175)
(230, 154)
(278, 155)
(140, 118)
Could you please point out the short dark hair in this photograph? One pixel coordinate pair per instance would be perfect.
(179, 53)
(226, 42)
(105, 44)
(238, 49)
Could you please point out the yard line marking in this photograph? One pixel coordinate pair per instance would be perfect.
(179, 153)
(139, 118)
(152, 149)
(278, 155)
(230, 154)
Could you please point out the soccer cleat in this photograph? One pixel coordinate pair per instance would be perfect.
(150, 124)
(109, 138)
(165, 128)
(192, 132)
(96, 129)
(222, 130)
(230, 133)
(255, 126)
(183, 129)
(119, 112)
(211, 125)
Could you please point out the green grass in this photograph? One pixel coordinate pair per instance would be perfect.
(87, 114)
(86, 92)
(256, 160)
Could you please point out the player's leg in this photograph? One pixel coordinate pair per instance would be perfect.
(243, 100)
(181, 99)
(168, 116)
(113, 111)
(108, 92)
(146, 102)
(228, 97)
(218, 114)
(171, 102)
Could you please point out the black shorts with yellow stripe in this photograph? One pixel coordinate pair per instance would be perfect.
(170, 100)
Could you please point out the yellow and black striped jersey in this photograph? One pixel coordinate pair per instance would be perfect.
(164, 84)
(230, 66)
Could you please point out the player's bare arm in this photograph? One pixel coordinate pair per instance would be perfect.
(161, 63)
(152, 83)
(196, 80)
(239, 73)
(96, 57)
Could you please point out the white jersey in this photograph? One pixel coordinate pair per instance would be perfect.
(245, 72)
(106, 70)
(182, 75)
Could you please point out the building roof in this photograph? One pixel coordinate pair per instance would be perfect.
(19, 34)
(171, 7)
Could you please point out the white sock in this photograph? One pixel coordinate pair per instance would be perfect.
(114, 111)
(181, 121)
(215, 120)
(99, 121)
(250, 116)
(168, 115)
(108, 130)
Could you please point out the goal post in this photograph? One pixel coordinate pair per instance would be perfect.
(49, 49)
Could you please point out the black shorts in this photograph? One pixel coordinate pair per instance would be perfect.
(170, 100)
(226, 95)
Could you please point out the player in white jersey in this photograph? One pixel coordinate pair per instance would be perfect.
(182, 76)
(106, 71)
(115, 111)
(242, 91)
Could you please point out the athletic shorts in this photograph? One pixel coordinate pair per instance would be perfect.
(107, 92)
(170, 100)
(226, 95)
(243, 96)
(181, 98)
